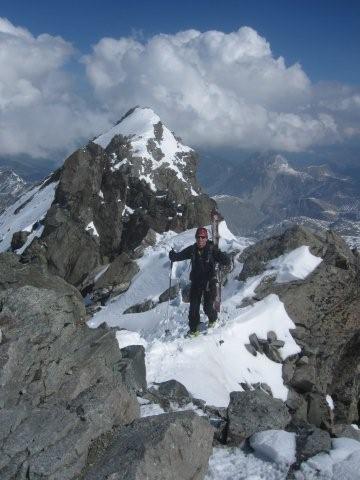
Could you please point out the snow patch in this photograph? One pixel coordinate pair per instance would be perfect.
(31, 208)
(90, 227)
(295, 265)
(330, 402)
(276, 445)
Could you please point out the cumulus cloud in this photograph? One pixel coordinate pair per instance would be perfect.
(39, 112)
(211, 88)
(214, 88)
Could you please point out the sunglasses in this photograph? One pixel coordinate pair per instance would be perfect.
(201, 236)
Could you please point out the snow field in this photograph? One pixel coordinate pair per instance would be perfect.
(39, 201)
(212, 365)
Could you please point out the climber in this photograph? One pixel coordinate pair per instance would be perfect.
(203, 255)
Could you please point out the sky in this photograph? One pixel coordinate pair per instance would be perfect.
(281, 75)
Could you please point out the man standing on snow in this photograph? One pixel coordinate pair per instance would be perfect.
(203, 255)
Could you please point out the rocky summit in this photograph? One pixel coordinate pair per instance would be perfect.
(106, 198)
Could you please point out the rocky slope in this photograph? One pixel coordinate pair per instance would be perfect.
(67, 393)
(109, 197)
(325, 308)
(11, 187)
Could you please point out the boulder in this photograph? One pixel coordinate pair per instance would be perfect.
(254, 411)
(61, 384)
(119, 274)
(133, 368)
(18, 240)
(310, 441)
(141, 307)
(319, 413)
(170, 293)
(174, 391)
(176, 446)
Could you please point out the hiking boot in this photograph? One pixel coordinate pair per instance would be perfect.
(191, 334)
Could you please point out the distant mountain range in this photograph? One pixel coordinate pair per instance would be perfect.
(266, 190)
(12, 186)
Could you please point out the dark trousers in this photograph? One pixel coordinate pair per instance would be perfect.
(196, 293)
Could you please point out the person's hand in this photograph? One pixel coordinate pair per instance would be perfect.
(172, 255)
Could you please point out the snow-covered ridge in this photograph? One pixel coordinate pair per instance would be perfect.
(139, 127)
(212, 365)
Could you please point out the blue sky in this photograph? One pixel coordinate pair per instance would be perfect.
(323, 35)
(266, 75)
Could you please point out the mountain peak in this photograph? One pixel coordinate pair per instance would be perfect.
(137, 122)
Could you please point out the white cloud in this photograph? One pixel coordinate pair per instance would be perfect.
(213, 88)
(39, 114)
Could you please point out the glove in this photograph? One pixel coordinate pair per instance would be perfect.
(172, 255)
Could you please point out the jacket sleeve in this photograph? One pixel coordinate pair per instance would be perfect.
(221, 257)
(183, 254)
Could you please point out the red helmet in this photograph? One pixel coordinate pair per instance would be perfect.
(201, 232)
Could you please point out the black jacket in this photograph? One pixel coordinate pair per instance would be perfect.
(202, 261)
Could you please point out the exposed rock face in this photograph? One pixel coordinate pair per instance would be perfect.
(176, 446)
(326, 310)
(135, 180)
(61, 382)
(11, 187)
(254, 411)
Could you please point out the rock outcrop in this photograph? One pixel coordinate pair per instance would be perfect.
(61, 382)
(176, 446)
(325, 307)
(114, 194)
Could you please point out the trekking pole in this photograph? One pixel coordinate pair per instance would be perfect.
(168, 305)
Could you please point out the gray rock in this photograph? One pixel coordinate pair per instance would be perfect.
(254, 411)
(169, 293)
(310, 441)
(120, 273)
(304, 378)
(271, 336)
(277, 343)
(133, 368)
(61, 386)
(250, 348)
(176, 446)
(272, 353)
(316, 441)
(297, 406)
(18, 240)
(319, 413)
(141, 307)
(304, 360)
(288, 370)
(174, 391)
(254, 341)
(347, 431)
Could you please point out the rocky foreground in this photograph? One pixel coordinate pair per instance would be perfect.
(69, 399)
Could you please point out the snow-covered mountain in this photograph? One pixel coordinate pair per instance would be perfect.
(107, 197)
(12, 186)
(268, 190)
